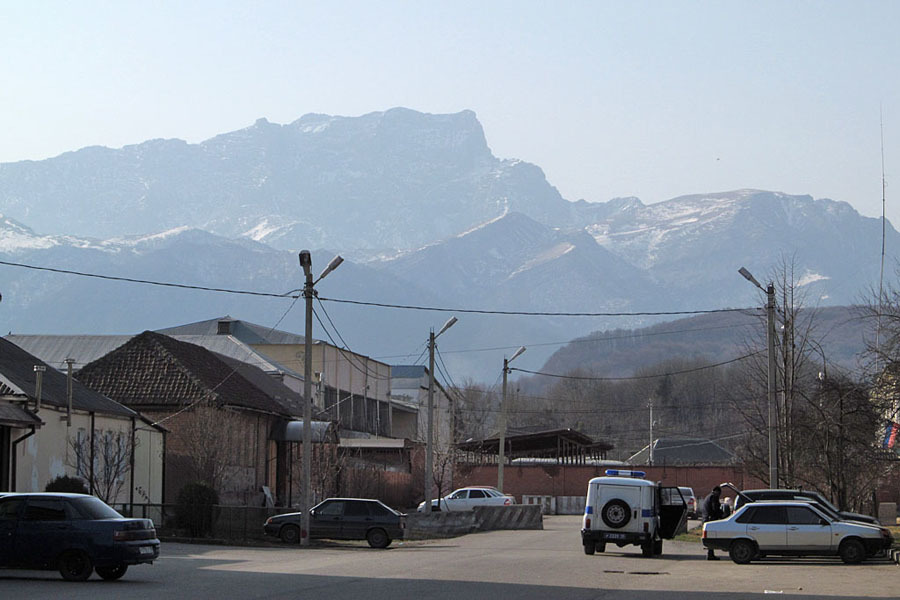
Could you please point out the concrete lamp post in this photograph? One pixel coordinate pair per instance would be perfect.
(308, 293)
(429, 440)
(501, 457)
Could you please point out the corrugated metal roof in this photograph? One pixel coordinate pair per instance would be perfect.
(17, 367)
(683, 451)
(55, 349)
(230, 346)
(249, 333)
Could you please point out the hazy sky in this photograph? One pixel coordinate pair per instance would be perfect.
(646, 99)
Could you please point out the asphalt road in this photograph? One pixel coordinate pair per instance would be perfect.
(520, 565)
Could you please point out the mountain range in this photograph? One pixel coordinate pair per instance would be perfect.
(426, 216)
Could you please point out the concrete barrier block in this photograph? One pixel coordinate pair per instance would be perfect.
(517, 516)
(421, 526)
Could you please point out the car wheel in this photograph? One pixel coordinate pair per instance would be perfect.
(111, 573)
(657, 547)
(589, 548)
(289, 534)
(852, 551)
(616, 513)
(378, 538)
(75, 565)
(742, 551)
(600, 546)
(647, 549)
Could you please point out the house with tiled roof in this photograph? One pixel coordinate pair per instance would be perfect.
(51, 425)
(230, 423)
(354, 390)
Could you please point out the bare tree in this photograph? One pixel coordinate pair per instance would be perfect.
(210, 438)
(104, 460)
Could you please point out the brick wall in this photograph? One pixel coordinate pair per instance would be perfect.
(570, 480)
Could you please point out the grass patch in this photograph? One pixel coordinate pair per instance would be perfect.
(694, 535)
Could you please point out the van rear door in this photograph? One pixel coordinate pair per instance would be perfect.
(672, 512)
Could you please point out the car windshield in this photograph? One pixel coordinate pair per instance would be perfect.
(94, 508)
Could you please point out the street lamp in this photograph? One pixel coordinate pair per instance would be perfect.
(308, 293)
(429, 441)
(501, 458)
(770, 338)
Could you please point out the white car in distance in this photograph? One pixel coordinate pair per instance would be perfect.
(468, 498)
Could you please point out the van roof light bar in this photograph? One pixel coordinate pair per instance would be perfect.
(621, 473)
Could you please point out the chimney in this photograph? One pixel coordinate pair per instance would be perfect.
(224, 327)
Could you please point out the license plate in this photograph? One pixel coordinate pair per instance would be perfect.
(614, 536)
(146, 550)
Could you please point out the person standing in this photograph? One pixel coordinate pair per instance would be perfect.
(712, 511)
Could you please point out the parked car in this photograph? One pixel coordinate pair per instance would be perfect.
(792, 528)
(75, 533)
(468, 498)
(624, 508)
(689, 497)
(787, 494)
(342, 519)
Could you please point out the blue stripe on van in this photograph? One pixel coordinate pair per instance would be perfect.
(646, 512)
(588, 510)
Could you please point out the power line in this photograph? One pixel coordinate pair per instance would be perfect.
(584, 378)
(145, 281)
(536, 313)
(292, 294)
(365, 368)
(591, 340)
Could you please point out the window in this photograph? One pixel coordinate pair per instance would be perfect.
(331, 509)
(356, 509)
(379, 510)
(39, 509)
(477, 494)
(800, 515)
(460, 495)
(9, 510)
(769, 515)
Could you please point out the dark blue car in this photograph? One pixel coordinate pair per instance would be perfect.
(75, 533)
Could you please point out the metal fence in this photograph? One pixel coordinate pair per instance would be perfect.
(229, 523)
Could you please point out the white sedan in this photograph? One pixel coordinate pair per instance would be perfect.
(468, 498)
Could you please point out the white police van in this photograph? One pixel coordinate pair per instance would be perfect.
(624, 509)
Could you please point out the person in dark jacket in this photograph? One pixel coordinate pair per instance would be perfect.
(712, 511)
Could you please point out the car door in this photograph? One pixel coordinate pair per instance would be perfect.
(458, 500)
(325, 520)
(767, 525)
(807, 529)
(357, 519)
(45, 529)
(477, 498)
(9, 520)
(672, 512)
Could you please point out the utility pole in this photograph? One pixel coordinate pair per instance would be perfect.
(773, 431)
(770, 339)
(308, 293)
(69, 363)
(501, 456)
(650, 447)
(429, 440)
